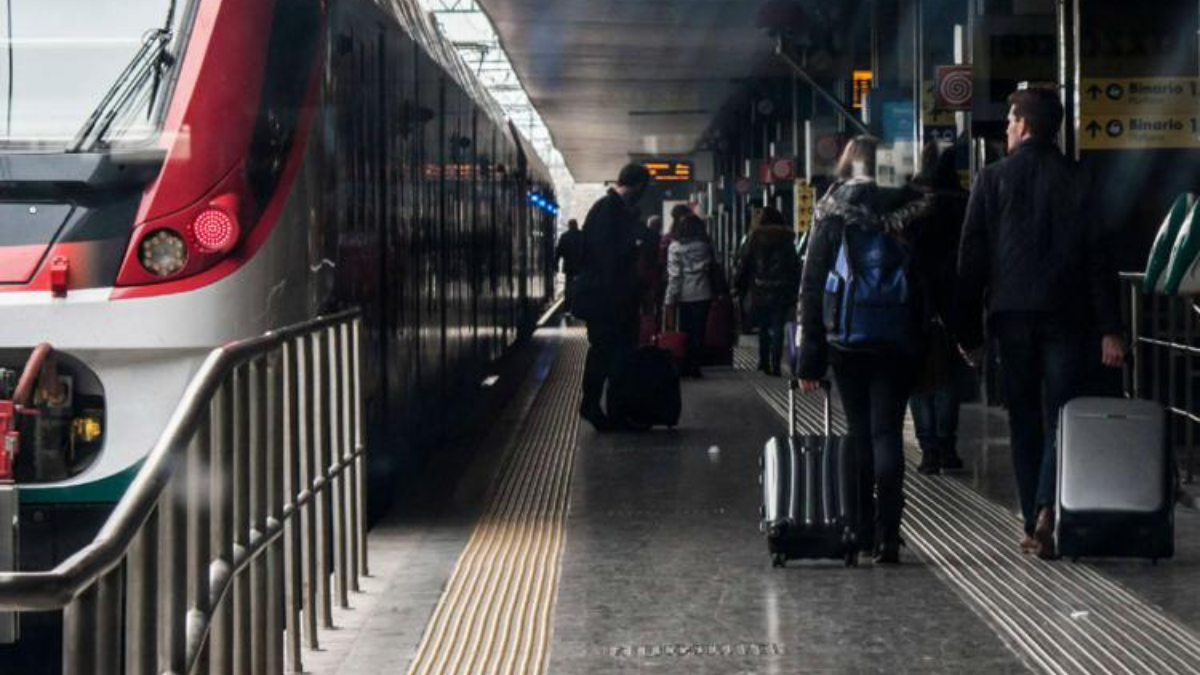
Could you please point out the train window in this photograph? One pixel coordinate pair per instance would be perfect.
(295, 33)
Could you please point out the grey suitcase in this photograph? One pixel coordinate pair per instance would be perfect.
(1116, 480)
(810, 492)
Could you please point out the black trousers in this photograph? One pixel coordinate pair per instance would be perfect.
(608, 342)
(693, 321)
(568, 293)
(874, 388)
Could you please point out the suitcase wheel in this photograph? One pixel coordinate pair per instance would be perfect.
(778, 560)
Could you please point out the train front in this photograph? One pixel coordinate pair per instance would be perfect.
(138, 173)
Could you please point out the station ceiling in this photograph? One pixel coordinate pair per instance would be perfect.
(622, 77)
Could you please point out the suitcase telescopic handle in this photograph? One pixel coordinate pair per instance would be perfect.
(826, 389)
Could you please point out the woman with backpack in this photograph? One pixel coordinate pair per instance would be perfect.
(689, 287)
(859, 315)
(768, 277)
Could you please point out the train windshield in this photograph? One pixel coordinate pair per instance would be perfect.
(82, 75)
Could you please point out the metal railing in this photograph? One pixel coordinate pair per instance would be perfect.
(1163, 331)
(243, 526)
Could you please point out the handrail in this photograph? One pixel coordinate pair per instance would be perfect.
(256, 414)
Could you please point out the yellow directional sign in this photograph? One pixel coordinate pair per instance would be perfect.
(806, 201)
(1130, 95)
(1139, 132)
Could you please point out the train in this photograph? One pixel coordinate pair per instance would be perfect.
(179, 174)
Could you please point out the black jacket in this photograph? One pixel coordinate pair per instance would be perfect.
(768, 268)
(1029, 243)
(569, 250)
(864, 205)
(608, 262)
(936, 235)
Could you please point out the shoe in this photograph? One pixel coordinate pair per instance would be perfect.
(888, 552)
(950, 460)
(1028, 545)
(930, 462)
(1043, 533)
(596, 417)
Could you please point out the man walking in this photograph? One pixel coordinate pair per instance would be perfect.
(608, 288)
(569, 251)
(1027, 243)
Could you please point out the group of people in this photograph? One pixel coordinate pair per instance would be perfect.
(1018, 259)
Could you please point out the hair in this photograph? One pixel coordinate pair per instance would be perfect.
(679, 211)
(691, 227)
(860, 149)
(654, 223)
(633, 175)
(572, 223)
(771, 216)
(1041, 110)
(939, 168)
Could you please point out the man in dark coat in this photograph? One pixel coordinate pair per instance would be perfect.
(1027, 242)
(569, 251)
(768, 281)
(608, 289)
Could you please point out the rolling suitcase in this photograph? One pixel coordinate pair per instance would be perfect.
(719, 336)
(645, 390)
(810, 492)
(1116, 480)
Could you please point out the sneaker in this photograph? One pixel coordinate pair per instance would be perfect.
(930, 462)
(888, 552)
(596, 417)
(951, 461)
(1028, 545)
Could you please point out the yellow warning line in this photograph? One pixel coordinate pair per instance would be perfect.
(495, 614)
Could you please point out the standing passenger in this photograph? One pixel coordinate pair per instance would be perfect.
(1025, 241)
(872, 359)
(569, 249)
(935, 404)
(689, 287)
(608, 288)
(769, 273)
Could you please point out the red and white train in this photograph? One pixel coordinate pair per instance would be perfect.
(176, 174)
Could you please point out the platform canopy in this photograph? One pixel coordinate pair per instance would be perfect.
(618, 77)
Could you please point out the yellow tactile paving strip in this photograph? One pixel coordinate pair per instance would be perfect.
(495, 614)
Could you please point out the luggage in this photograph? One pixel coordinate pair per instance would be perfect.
(645, 390)
(1116, 480)
(810, 493)
(719, 336)
(675, 344)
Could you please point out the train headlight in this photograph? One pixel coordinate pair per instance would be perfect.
(163, 253)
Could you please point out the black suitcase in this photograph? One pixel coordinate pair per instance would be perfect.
(645, 390)
(810, 492)
(1116, 480)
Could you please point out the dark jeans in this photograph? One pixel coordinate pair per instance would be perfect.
(769, 318)
(608, 342)
(874, 390)
(693, 320)
(935, 416)
(1043, 365)
(568, 293)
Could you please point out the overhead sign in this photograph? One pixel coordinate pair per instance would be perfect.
(1151, 95)
(1139, 132)
(806, 201)
(667, 171)
(955, 87)
(862, 87)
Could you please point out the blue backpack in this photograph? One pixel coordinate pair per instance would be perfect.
(867, 293)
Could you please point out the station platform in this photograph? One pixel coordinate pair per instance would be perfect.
(576, 552)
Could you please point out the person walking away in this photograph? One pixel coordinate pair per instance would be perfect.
(678, 212)
(608, 288)
(689, 287)
(1028, 244)
(651, 277)
(568, 250)
(873, 357)
(768, 281)
(935, 402)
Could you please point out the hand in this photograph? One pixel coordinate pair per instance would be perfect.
(1112, 351)
(809, 386)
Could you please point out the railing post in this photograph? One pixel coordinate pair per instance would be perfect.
(172, 571)
(293, 584)
(274, 512)
(242, 662)
(338, 487)
(79, 634)
(199, 539)
(361, 461)
(221, 470)
(320, 415)
(258, 515)
(350, 450)
(308, 477)
(141, 600)
(108, 629)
